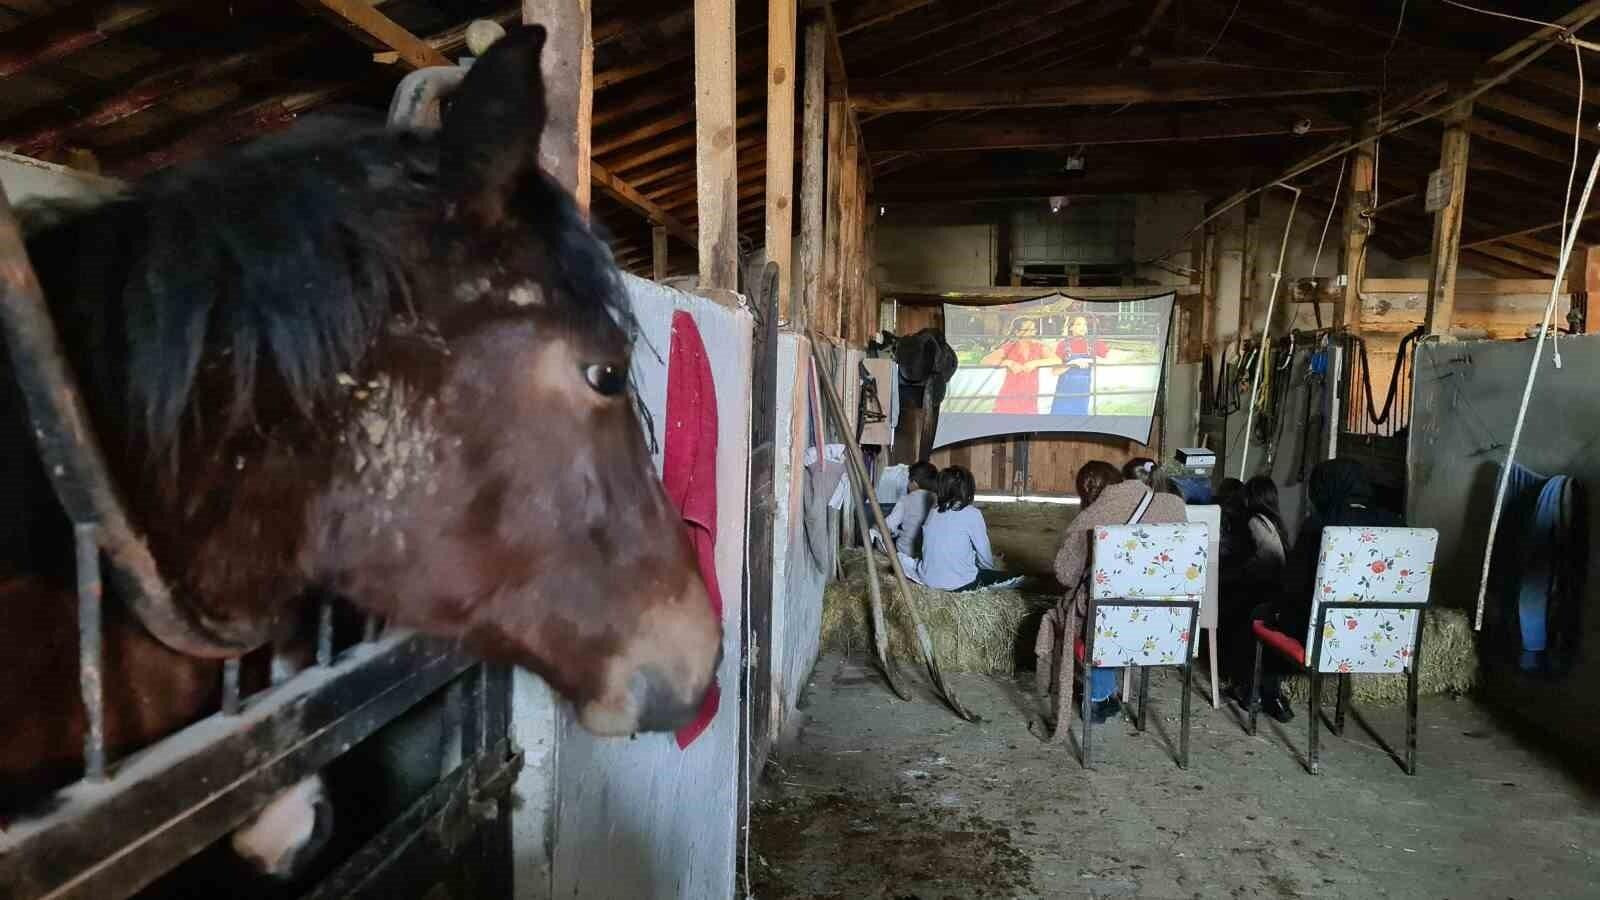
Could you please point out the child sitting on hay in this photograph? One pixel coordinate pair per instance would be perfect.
(955, 540)
(911, 511)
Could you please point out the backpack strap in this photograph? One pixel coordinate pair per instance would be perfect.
(1144, 504)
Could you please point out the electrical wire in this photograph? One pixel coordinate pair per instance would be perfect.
(1266, 328)
(1316, 306)
(1224, 30)
(1491, 12)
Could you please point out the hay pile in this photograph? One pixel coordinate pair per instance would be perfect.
(1449, 666)
(975, 631)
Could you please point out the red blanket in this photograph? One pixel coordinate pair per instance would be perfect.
(689, 471)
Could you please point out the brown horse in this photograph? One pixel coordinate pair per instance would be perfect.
(387, 366)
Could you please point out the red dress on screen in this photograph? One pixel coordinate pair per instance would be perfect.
(1019, 393)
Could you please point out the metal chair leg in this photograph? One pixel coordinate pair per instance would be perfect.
(1316, 714)
(1341, 702)
(1183, 742)
(1411, 721)
(1255, 690)
(1144, 694)
(1216, 668)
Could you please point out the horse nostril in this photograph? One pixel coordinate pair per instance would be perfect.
(659, 706)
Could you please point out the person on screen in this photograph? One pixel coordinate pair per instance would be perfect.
(1106, 499)
(1075, 377)
(1022, 356)
(955, 540)
(911, 512)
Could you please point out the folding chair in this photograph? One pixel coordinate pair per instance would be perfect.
(1367, 611)
(1145, 585)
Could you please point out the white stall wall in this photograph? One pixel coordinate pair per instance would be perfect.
(797, 578)
(640, 818)
(26, 178)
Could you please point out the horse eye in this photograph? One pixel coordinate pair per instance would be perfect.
(606, 379)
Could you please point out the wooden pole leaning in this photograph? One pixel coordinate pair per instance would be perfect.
(858, 471)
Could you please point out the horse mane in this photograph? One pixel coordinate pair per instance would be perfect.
(284, 261)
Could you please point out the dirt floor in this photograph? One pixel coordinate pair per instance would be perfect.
(879, 798)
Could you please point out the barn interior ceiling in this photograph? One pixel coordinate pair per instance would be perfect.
(959, 104)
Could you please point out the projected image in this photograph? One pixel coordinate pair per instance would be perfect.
(1055, 364)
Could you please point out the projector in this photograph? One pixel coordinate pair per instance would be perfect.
(1196, 457)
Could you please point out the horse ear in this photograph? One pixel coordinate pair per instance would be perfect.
(490, 138)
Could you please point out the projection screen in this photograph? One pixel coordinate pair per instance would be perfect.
(1055, 364)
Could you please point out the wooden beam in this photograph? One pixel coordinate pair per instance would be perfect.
(1520, 258)
(781, 25)
(252, 121)
(1129, 180)
(1498, 286)
(813, 178)
(453, 39)
(1532, 229)
(629, 196)
(1502, 102)
(37, 132)
(1210, 266)
(716, 158)
(1445, 255)
(980, 294)
(79, 26)
(568, 69)
(367, 24)
(1167, 84)
(828, 321)
(658, 252)
(844, 284)
(870, 13)
(654, 128)
(1247, 269)
(1128, 128)
(1357, 229)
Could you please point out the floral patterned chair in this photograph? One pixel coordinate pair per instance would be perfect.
(1145, 587)
(1370, 597)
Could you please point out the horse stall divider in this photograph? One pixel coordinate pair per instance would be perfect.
(642, 817)
(168, 802)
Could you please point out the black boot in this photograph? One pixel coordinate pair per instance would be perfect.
(1278, 708)
(1105, 709)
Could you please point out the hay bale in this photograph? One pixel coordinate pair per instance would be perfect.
(1449, 666)
(973, 631)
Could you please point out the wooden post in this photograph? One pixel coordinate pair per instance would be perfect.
(780, 147)
(1446, 251)
(828, 317)
(568, 67)
(869, 271)
(813, 177)
(844, 292)
(1357, 225)
(1210, 259)
(1247, 269)
(658, 253)
(1583, 281)
(716, 162)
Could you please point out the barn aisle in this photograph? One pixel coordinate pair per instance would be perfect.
(880, 798)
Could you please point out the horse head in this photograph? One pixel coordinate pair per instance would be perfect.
(392, 365)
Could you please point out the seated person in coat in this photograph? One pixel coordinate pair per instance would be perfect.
(1107, 499)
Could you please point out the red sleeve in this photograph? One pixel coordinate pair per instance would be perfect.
(1061, 349)
(1100, 348)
